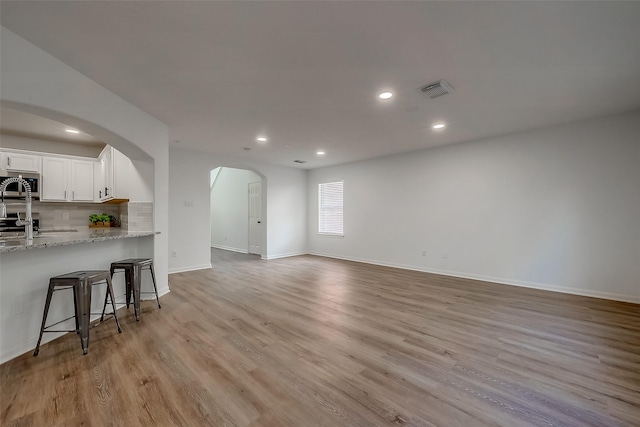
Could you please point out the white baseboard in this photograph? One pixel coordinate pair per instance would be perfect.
(498, 280)
(190, 268)
(229, 248)
(290, 254)
(151, 296)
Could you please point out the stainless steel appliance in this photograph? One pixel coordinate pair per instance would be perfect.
(9, 228)
(16, 190)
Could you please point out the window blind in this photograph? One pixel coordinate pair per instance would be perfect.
(331, 208)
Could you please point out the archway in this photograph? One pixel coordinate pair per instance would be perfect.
(121, 144)
(238, 210)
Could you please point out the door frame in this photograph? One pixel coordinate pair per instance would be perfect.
(263, 201)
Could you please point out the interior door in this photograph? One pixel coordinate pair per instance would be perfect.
(255, 221)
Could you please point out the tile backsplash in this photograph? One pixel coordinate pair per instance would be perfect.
(70, 215)
(137, 216)
(133, 216)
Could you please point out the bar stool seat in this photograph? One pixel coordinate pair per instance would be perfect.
(81, 282)
(132, 268)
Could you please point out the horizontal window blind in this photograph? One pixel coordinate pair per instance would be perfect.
(331, 208)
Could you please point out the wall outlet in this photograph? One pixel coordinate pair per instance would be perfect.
(174, 254)
(424, 253)
(18, 306)
(188, 203)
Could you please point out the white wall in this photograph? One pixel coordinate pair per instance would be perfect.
(286, 208)
(230, 209)
(36, 82)
(557, 208)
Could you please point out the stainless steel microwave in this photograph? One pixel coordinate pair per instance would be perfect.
(17, 190)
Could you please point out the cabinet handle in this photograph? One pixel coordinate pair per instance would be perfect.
(73, 195)
(65, 194)
(106, 192)
(100, 194)
(8, 161)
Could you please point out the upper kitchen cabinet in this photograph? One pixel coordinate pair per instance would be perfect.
(67, 180)
(112, 175)
(82, 180)
(54, 178)
(15, 161)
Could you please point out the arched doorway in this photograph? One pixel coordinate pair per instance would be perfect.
(238, 210)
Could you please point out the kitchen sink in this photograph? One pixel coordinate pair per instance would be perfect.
(12, 242)
(18, 240)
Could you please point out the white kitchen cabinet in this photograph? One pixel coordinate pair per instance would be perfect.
(82, 180)
(112, 175)
(54, 179)
(66, 180)
(20, 162)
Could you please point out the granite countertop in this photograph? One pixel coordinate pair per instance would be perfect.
(55, 238)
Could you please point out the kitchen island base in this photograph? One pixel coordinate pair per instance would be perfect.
(24, 277)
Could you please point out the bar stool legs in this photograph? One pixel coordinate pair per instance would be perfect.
(47, 304)
(133, 277)
(155, 288)
(81, 282)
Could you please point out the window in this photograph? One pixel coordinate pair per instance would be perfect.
(330, 208)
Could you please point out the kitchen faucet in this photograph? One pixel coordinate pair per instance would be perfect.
(28, 221)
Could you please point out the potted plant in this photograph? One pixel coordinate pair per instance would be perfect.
(103, 220)
(94, 219)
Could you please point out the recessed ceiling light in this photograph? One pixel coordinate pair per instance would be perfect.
(438, 126)
(320, 153)
(261, 139)
(385, 95)
(72, 131)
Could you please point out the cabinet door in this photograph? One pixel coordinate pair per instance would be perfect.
(22, 162)
(54, 180)
(121, 175)
(98, 180)
(82, 180)
(105, 175)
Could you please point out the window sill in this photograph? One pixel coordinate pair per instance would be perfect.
(335, 236)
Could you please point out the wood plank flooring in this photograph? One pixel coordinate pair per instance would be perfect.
(310, 341)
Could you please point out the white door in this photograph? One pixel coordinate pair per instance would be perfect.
(255, 220)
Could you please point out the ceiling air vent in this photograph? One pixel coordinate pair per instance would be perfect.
(299, 161)
(437, 89)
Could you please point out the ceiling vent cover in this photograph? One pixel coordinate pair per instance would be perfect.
(299, 161)
(437, 89)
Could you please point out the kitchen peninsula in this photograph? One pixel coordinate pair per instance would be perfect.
(63, 238)
(25, 269)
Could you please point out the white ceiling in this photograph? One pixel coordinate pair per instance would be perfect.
(306, 74)
(19, 123)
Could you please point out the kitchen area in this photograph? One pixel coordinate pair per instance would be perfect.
(55, 184)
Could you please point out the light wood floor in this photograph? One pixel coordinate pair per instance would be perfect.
(310, 341)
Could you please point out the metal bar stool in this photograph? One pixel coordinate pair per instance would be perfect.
(81, 283)
(132, 268)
